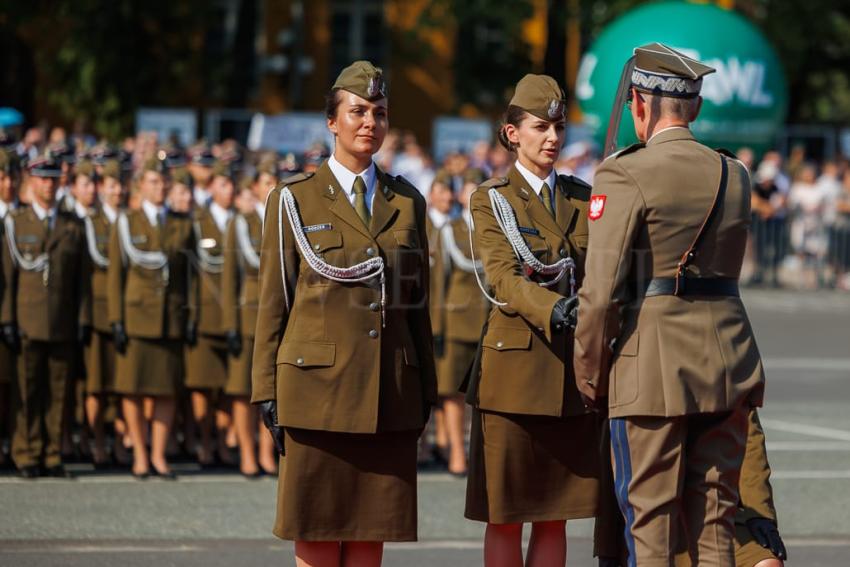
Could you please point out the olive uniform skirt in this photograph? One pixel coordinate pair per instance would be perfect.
(347, 486)
(453, 366)
(150, 367)
(100, 364)
(525, 468)
(239, 370)
(206, 363)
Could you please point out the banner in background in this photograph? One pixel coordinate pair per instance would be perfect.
(181, 123)
(453, 134)
(292, 132)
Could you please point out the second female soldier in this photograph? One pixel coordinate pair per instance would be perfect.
(533, 451)
(343, 365)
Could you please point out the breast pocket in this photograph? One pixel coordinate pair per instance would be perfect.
(408, 254)
(327, 245)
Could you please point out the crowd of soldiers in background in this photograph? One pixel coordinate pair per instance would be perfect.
(800, 237)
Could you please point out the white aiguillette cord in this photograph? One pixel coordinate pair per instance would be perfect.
(147, 259)
(209, 263)
(366, 270)
(457, 257)
(39, 264)
(243, 237)
(506, 220)
(91, 241)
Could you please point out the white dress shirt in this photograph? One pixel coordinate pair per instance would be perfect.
(220, 216)
(536, 183)
(41, 213)
(111, 214)
(153, 212)
(345, 177)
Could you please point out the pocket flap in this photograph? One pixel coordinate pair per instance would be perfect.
(508, 339)
(325, 240)
(305, 354)
(406, 238)
(630, 347)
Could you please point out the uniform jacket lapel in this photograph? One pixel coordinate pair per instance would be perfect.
(383, 210)
(339, 203)
(565, 212)
(533, 206)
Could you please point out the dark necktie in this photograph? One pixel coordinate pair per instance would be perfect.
(546, 197)
(360, 200)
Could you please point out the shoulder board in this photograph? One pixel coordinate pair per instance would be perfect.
(494, 182)
(725, 152)
(292, 180)
(401, 179)
(629, 150)
(576, 187)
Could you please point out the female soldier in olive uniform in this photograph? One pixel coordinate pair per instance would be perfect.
(206, 356)
(147, 291)
(239, 289)
(463, 312)
(533, 454)
(342, 355)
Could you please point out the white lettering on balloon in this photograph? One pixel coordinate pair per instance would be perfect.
(737, 80)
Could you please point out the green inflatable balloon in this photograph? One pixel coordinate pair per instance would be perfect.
(744, 102)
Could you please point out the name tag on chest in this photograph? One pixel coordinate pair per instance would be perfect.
(27, 239)
(317, 228)
(529, 230)
(139, 239)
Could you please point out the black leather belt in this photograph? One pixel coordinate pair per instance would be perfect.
(727, 287)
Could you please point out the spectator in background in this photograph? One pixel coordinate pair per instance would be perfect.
(768, 222)
(747, 157)
(806, 202)
(840, 241)
(501, 161)
(479, 158)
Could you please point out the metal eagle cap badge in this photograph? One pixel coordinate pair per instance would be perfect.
(556, 109)
(597, 207)
(376, 85)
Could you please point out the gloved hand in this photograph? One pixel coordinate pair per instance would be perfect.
(191, 333)
(564, 314)
(439, 346)
(11, 337)
(119, 337)
(234, 342)
(268, 411)
(766, 534)
(84, 334)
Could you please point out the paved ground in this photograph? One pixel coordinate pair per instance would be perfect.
(217, 520)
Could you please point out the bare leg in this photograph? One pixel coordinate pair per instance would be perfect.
(163, 415)
(134, 415)
(548, 545)
(203, 425)
(223, 427)
(362, 553)
(94, 413)
(503, 545)
(453, 410)
(441, 438)
(268, 455)
(317, 554)
(244, 421)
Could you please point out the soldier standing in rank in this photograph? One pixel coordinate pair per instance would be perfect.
(43, 310)
(533, 448)
(8, 361)
(147, 294)
(343, 368)
(240, 291)
(463, 313)
(99, 354)
(208, 343)
(440, 199)
(660, 315)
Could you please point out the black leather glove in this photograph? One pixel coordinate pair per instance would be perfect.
(234, 343)
(84, 334)
(119, 337)
(609, 562)
(766, 534)
(11, 337)
(268, 411)
(191, 333)
(564, 314)
(439, 346)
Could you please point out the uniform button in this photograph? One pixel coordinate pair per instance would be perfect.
(299, 361)
(500, 344)
(375, 306)
(316, 246)
(373, 333)
(562, 252)
(370, 251)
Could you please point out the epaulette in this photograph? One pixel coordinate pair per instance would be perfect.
(725, 152)
(629, 150)
(401, 179)
(494, 182)
(292, 180)
(576, 187)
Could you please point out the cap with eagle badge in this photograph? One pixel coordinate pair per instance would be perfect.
(223, 168)
(155, 165)
(658, 69)
(181, 176)
(84, 167)
(45, 166)
(111, 168)
(363, 79)
(541, 96)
